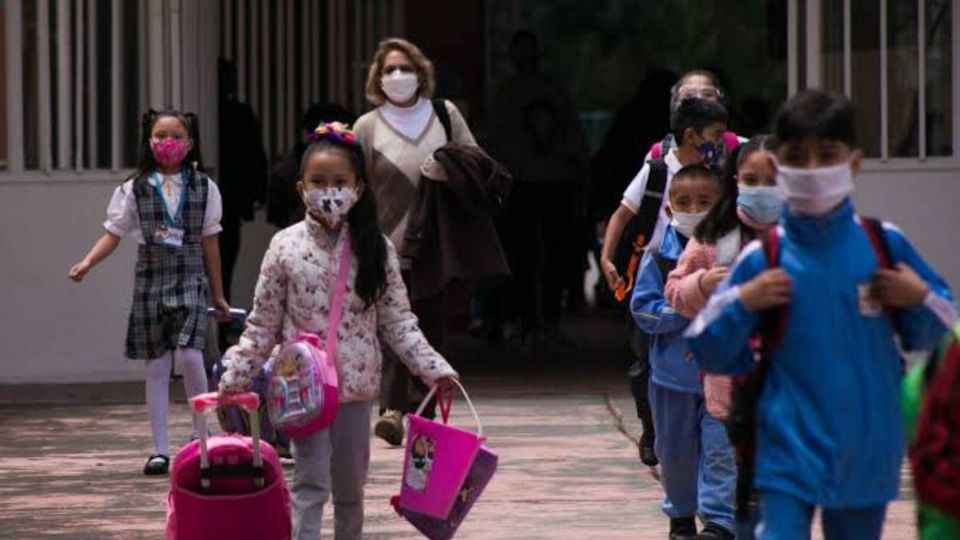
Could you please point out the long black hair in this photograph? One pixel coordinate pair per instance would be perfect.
(366, 237)
(146, 162)
(722, 218)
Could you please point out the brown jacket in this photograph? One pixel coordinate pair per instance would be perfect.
(451, 238)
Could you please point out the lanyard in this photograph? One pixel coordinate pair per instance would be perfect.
(171, 220)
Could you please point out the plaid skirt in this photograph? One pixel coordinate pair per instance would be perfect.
(169, 308)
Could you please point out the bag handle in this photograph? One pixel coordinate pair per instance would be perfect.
(248, 401)
(336, 301)
(445, 409)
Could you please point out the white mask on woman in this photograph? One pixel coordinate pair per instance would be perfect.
(400, 87)
(815, 192)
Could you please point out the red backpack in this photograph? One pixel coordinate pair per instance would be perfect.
(935, 452)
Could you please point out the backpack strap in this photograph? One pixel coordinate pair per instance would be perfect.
(664, 264)
(881, 248)
(638, 232)
(730, 140)
(743, 411)
(773, 322)
(443, 115)
(878, 239)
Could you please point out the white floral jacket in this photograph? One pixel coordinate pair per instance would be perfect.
(297, 277)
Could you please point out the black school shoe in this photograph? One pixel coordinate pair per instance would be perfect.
(683, 529)
(157, 464)
(715, 532)
(648, 456)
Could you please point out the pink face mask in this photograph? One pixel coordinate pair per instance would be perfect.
(169, 152)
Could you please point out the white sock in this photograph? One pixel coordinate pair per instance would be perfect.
(194, 377)
(158, 401)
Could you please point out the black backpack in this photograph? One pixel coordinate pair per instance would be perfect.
(636, 235)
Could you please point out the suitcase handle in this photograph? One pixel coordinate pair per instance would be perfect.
(426, 399)
(248, 401)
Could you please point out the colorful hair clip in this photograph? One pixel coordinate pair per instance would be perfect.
(336, 132)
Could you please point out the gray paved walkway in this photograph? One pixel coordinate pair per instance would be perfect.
(73, 471)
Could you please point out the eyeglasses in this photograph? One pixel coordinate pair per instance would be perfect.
(701, 92)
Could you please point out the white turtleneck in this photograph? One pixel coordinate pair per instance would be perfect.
(411, 122)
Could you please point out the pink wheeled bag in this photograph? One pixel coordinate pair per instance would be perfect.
(444, 472)
(229, 486)
(303, 394)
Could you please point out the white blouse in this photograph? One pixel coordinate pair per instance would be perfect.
(123, 218)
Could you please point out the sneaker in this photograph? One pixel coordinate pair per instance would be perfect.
(390, 428)
(648, 456)
(683, 529)
(715, 532)
(157, 464)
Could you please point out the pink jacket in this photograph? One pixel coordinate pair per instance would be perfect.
(687, 297)
(683, 289)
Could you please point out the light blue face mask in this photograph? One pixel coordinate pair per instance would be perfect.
(763, 204)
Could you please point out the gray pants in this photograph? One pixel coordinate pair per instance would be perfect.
(337, 458)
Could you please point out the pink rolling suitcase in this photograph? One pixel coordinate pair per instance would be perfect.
(228, 487)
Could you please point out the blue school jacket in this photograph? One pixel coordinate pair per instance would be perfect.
(671, 364)
(829, 429)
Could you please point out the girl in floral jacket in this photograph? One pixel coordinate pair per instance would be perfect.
(297, 277)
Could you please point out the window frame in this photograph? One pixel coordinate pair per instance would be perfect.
(812, 43)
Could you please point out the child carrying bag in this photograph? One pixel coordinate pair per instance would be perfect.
(445, 470)
(303, 388)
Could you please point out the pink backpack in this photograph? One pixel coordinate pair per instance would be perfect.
(730, 141)
(303, 394)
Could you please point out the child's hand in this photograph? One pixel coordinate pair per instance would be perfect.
(610, 273)
(223, 309)
(899, 287)
(447, 384)
(79, 270)
(768, 290)
(711, 278)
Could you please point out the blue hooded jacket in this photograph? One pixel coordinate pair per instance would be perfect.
(671, 364)
(829, 429)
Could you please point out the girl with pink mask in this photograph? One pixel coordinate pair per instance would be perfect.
(172, 210)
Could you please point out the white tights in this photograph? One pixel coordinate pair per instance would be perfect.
(158, 391)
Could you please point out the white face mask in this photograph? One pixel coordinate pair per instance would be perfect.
(400, 87)
(686, 223)
(330, 205)
(815, 192)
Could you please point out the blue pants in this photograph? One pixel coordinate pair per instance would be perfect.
(697, 465)
(788, 518)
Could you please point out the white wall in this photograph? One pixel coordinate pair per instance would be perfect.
(922, 203)
(55, 331)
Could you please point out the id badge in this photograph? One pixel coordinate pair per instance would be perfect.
(870, 305)
(169, 236)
